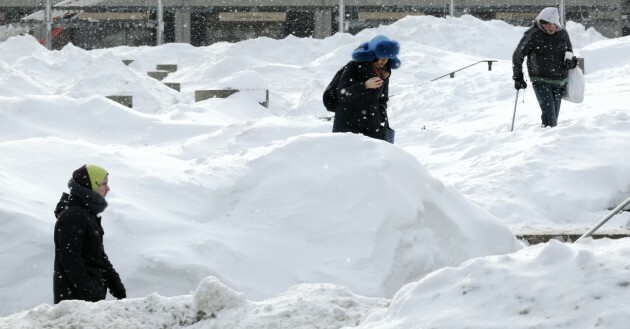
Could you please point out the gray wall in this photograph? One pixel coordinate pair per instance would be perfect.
(315, 3)
(197, 21)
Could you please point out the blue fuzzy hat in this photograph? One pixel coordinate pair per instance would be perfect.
(379, 47)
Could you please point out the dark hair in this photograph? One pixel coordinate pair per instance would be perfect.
(543, 22)
(82, 177)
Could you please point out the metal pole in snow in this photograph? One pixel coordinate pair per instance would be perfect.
(452, 8)
(160, 23)
(48, 23)
(514, 115)
(562, 11)
(342, 16)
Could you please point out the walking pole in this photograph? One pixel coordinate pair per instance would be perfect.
(514, 115)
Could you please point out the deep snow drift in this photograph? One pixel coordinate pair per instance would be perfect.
(255, 217)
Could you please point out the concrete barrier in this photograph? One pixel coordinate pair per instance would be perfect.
(535, 237)
(166, 67)
(202, 95)
(173, 85)
(159, 75)
(121, 99)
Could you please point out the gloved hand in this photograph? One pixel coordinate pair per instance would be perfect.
(519, 82)
(119, 292)
(570, 63)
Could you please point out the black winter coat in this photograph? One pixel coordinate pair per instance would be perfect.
(360, 110)
(82, 270)
(545, 55)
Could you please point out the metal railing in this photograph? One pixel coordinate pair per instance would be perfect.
(604, 220)
(452, 74)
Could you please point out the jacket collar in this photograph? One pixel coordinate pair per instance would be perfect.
(87, 198)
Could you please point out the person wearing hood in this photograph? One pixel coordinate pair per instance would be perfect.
(549, 57)
(82, 269)
(363, 88)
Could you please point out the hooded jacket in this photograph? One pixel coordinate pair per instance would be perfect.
(82, 270)
(545, 52)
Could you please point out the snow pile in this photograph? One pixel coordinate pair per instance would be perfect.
(213, 305)
(8, 31)
(284, 222)
(588, 282)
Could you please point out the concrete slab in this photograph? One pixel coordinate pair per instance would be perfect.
(535, 237)
(173, 85)
(166, 67)
(122, 99)
(201, 95)
(159, 75)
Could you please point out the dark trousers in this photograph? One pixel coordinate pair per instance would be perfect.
(549, 98)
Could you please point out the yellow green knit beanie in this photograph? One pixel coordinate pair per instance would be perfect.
(90, 176)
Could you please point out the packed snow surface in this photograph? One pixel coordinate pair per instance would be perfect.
(227, 214)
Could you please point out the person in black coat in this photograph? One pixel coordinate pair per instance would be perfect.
(549, 57)
(363, 88)
(82, 270)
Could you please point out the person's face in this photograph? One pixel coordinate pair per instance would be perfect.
(381, 62)
(550, 28)
(103, 188)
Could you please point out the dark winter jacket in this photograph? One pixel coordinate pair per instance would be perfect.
(361, 110)
(545, 55)
(82, 270)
